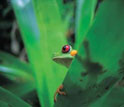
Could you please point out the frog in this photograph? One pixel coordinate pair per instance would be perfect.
(64, 58)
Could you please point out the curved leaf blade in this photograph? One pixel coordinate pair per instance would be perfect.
(14, 72)
(11, 99)
(8, 59)
(84, 18)
(21, 88)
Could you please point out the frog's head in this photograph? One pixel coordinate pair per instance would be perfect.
(66, 56)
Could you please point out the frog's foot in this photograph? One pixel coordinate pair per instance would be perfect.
(58, 91)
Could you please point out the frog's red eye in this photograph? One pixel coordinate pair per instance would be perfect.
(65, 49)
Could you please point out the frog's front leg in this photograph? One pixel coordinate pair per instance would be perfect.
(58, 91)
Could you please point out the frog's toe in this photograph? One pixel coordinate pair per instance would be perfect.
(61, 93)
(58, 91)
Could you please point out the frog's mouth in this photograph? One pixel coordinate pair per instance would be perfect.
(63, 60)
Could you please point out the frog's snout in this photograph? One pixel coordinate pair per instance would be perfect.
(73, 52)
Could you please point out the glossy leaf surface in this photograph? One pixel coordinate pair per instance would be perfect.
(84, 18)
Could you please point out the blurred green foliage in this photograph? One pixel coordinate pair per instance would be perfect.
(93, 77)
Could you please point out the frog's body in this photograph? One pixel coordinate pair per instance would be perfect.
(65, 58)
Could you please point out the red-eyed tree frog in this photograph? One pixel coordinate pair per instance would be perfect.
(65, 58)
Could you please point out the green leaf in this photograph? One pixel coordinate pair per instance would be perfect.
(21, 88)
(66, 11)
(8, 98)
(12, 72)
(100, 61)
(3, 104)
(41, 45)
(12, 67)
(114, 99)
(84, 18)
(64, 8)
(8, 59)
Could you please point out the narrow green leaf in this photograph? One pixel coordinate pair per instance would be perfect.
(11, 99)
(12, 66)
(3, 104)
(21, 88)
(64, 8)
(14, 72)
(8, 59)
(66, 11)
(84, 18)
